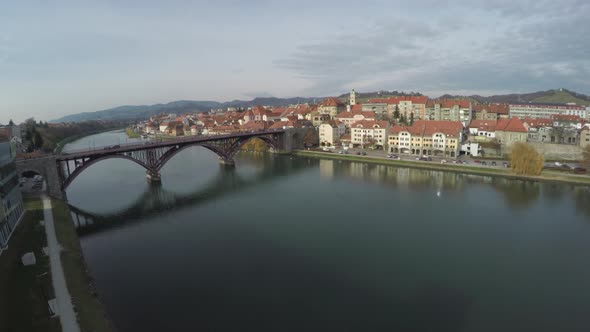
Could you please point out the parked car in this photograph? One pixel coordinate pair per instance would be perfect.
(340, 152)
(484, 163)
(494, 163)
(429, 158)
(477, 161)
(579, 170)
(116, 146)
(358, 153)
(444, 161)
(364, 153)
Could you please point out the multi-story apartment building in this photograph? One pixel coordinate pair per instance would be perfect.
(449, 110)
(405, 105)
(330, 132)
(11, 207)
(431, 138)
(536, 111)
(331, 106)
(368, 132)
(375, 107)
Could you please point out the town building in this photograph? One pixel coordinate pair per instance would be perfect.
(482, 130)
(331, 106)
(535, 110)
(449, 110)
(584, 137)
(491, 111)
(11, 207)
(510, 131)
(369, 133)
(330, 132)
(431, 138)
(349, 118)
(375, 107)
(318, 118)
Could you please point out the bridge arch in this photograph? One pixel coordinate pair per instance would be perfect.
(93, 161)
(224, 153)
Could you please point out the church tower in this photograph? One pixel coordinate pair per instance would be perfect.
(352, 99)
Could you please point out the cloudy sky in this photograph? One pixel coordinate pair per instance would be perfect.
(63, 57)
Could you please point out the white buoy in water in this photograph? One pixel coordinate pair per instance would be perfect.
(438, 193)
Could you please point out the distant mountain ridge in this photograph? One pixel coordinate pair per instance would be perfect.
(141, 112)
(185, 106)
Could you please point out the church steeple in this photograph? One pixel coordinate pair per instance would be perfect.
(352, 99)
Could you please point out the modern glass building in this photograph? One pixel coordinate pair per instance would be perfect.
(11, 207)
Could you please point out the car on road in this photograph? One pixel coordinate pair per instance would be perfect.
(579, 170)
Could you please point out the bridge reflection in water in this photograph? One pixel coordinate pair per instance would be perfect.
(158, 200)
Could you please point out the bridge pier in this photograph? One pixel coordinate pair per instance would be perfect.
(227, 162)
(153, 177)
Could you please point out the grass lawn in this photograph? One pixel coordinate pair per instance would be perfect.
(24, 290)
(91, 313)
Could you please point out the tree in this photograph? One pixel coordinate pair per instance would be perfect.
(402, 119)
(525, 160)
(11, 123)
(396, 112)
(311, 138)
(411, 118)
(37, 140)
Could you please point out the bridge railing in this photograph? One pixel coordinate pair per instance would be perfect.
(167, 142)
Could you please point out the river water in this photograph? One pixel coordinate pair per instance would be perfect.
(294, 244)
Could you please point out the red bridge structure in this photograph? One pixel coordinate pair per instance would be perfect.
(60, 170)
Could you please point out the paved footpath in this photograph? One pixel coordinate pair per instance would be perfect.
(67, 316)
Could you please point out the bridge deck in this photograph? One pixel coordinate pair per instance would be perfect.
(78, 154)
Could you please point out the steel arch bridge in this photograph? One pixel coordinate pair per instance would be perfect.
(152, 156)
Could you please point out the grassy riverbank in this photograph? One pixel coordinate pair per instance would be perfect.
(90, 311)
(25, 290)
(61, 144)
(550, 176)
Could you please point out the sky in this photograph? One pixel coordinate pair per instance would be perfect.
(65, 57)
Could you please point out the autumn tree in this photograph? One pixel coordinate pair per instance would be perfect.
(525, 160)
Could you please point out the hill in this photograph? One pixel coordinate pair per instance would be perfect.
(560, 96)
(189, 106)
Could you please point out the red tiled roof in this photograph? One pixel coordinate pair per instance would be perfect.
(398, 99)
(428, 128)
(356, 108)
(333, 123)
(492, 108)
(513, 124)
(349, 115)
(370, 124)
(538, 123)
(565, 117)
(331, 101)
(483, 125)
(448, 103)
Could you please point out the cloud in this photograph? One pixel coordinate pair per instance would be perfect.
(494, 46)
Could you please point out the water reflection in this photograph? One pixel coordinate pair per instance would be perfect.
(254, 170)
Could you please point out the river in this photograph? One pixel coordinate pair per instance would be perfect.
(294, 244)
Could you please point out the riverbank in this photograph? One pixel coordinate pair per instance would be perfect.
(90, 311)
(61, 144)
(25, 290)
(546, 176)
(131, 133)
